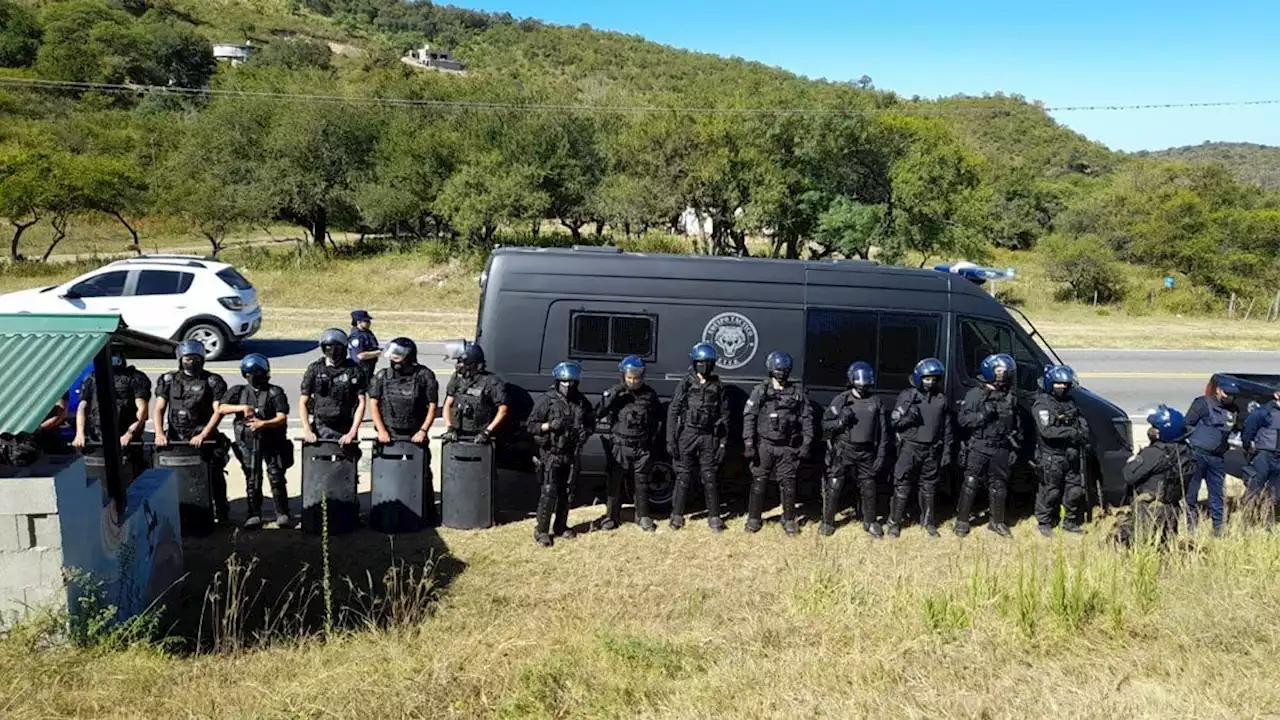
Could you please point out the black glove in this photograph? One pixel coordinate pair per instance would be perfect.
(555, 424)
(483, 437)
(990, 413)
(719, 453)
(848, 418)
(749, 451)
(450, 435)
(806, 451)
(672, 449)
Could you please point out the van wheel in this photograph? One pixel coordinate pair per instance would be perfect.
(213, 337)
(662, 485)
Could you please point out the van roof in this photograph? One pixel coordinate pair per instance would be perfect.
(615, 261)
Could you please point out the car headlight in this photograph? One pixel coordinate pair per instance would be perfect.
(232, 303)
(1124, 428)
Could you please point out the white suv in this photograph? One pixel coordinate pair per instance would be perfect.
(181, 297)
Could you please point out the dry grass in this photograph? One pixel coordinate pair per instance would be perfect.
(693, 624)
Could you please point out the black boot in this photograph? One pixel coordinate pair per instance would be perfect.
(897, 509)
(964, 507)
(873, 529)
(788, 493)
(755, 506)
(830, 505)
(711, 492)
(280, 494)
(642, 506)
(927, 516)
(612, 503)
(678, 502)
(542, 525)
(870, 518)
(998, 525)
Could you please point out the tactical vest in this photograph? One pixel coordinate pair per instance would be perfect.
(780, 412)
(1268, 437)
(404, 400)
(264, 407)
(933, 414)
(126, 410)
(1062, 413)
(997, 432)
(1210, 433)
(190, 403)
(473, 408)
(335, 391)
(701, 405)
(867, 412)
(565, 409)
(634, 419)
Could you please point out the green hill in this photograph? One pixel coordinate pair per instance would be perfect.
(601, 132)
(1251, 163)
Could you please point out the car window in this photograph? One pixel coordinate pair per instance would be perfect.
(892, 342)
(609, 335)
(163, 282)
(109, 284)
(234, 279)
(980, 338)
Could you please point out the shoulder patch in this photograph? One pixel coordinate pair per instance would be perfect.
(1044, 416)
(355, 343)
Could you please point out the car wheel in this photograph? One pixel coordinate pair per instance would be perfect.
(211, 336)
(662, 485)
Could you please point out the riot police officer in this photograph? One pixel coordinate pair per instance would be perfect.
(561, 421)
(697, 426)
(1261, 438)
(132, 395)
(475, 402)
(1210, 421)
(631, 413)
(261, 427)
(990, 415)
(363, 343)
(1062, 434)
(1156, 477)
(332, 395)
(403, 399)
(859, 443)
(777, 433)
(186, 410)
(923, 419)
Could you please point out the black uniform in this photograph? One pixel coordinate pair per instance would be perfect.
(923, 422)
(130, 385)
(333, 393)
(361, 341)
(269, 448)
(859, 446)
(572, 421)
(475, 401)
(1157, 478)
(190, 400)
(697, 425)
(990, 416)
(633, 419)
(1061, 436)
(404, 400)
(778, 425)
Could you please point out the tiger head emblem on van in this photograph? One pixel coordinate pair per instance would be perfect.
(735, 338)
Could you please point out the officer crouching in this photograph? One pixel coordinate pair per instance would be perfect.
(1156, 478)
(561, 421)
(261, 427)
(1261, 438)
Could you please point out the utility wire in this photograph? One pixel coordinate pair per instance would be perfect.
(914, 106)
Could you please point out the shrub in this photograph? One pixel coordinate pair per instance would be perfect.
(1087, 266)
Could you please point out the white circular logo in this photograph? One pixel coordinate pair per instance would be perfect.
(734, 337)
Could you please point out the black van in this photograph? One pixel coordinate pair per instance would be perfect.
(597, 305)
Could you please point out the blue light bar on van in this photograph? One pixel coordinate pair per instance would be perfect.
(974, 273)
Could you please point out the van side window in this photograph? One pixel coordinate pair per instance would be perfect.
(606, 335)
(892, 342)
(980, 338)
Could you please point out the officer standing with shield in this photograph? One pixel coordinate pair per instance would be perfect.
(186, 410)
(332, 395)
(475, 402)
(561, 422)
(261, 423)
(132, 395)
(403, 399)
(697, 423)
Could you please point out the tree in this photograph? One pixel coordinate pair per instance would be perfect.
(573, 167)
(1087, 266)
(20, 35)
(850, 228)
(294, 54)
(413, 159)
(24, 190)
(490, 191)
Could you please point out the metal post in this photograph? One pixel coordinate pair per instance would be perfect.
(104, 382)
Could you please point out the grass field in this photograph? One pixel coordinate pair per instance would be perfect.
(429, 291)
(693, 624)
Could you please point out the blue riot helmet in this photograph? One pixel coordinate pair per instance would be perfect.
(1055, 375)
(632, 371)
(190, 354)
(402, 353)
(998, 370)
(927, 375)
(1169, 424)
(861, 376)
(1228, 387)
(778, 365)
(256, 369)
(703, 358)
(567, 374)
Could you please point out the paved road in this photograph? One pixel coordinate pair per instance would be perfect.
(1133, 379)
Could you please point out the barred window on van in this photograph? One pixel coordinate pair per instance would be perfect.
(610, 335)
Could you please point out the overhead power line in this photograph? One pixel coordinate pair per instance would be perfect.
(121, 88)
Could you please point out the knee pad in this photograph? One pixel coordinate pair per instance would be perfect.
(971, 483)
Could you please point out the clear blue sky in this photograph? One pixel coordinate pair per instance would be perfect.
(1063, 52)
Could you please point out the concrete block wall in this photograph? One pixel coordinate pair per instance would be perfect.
(31, 540)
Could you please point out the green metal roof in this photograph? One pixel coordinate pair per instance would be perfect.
(40, 357)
